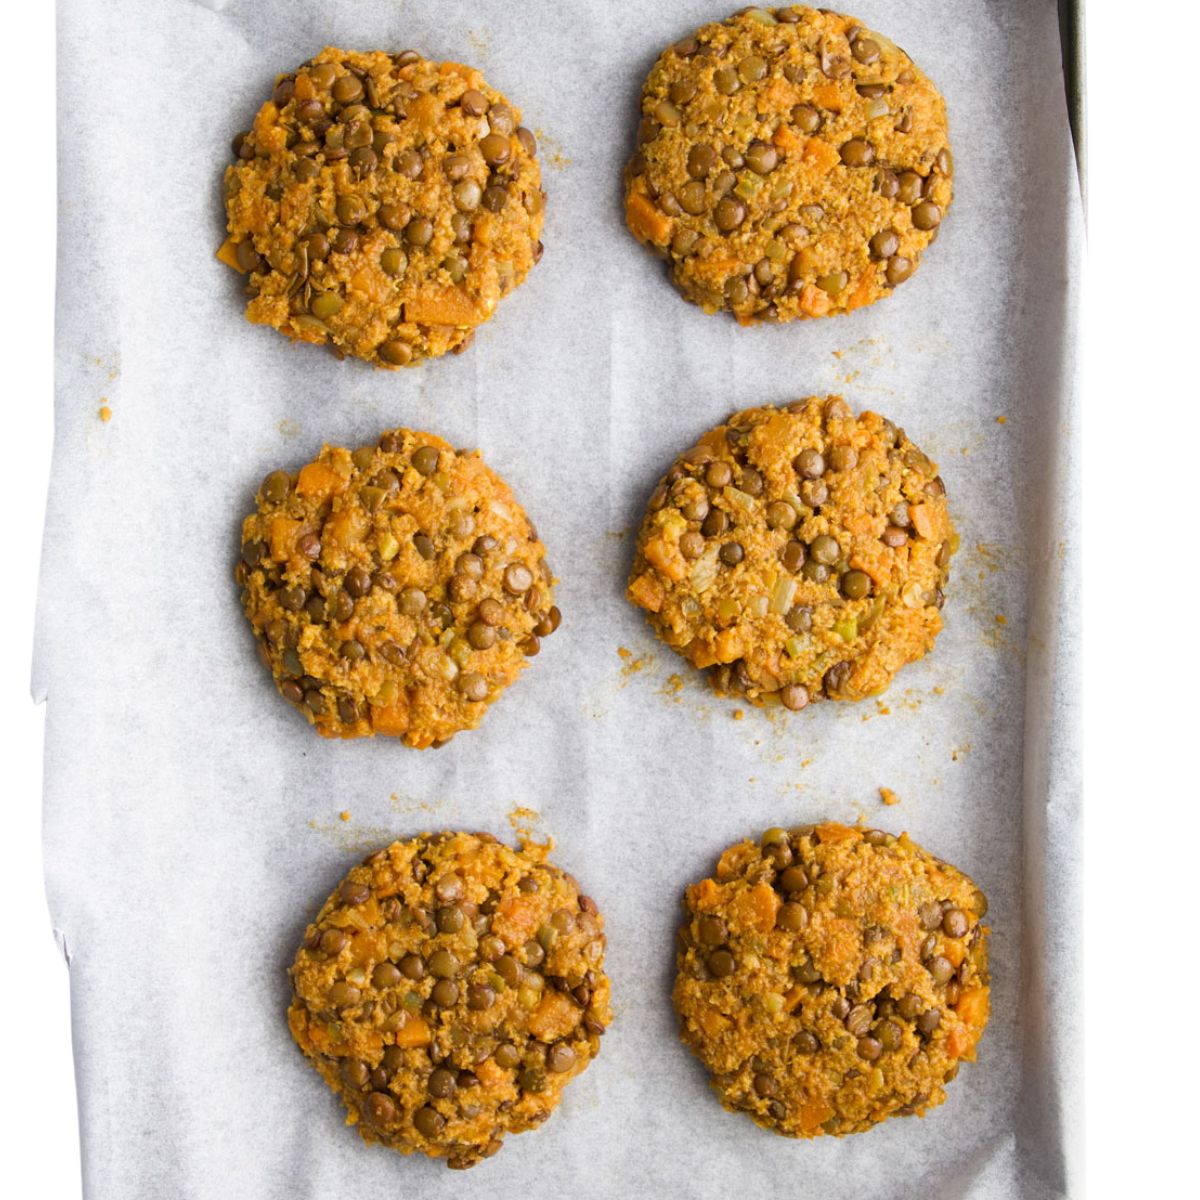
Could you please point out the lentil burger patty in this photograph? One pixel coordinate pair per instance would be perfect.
(449, 990)
(831, 977)
(800, 552)
(790, 164)
(382, 205)
(398, 589)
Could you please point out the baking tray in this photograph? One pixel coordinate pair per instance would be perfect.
(192, 819)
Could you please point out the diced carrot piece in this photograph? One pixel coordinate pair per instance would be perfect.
(369, 282)
(228, 255)
(960, 1042)
(647, 592)
(489, 1073)
(425, 110)
(921, 516)
(728, 646)
(282, 536)
(645, 221)
(821, 156)
(758, 908)
(776, 97)
(788, 140)
(518, 913)
(703, 893)
(972, 1006)
(666, 558)
(344, 528)
(832, 831)
(791, 999)
(318, 479)
(304, 88)
(414, 1032)
(813, 301)
(828, 95)
(862, 293)
(712, 1022)
(554, 1017)
(450, 306)
(955, 951)
(814, 1114)
(391, 719)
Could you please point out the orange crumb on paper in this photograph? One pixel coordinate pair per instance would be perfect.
(882, 708)
(523, 821)
(633, 665)
(805, 762)
(105, 413)
(1001, 619)
(1001, 420)
(738, 715)
(345, 816)
(888, 796)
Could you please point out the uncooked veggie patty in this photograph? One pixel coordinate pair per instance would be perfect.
(449, 990)
(790, 163)
(382, 205)
(799, 552)
(398, 589)
(831, 977)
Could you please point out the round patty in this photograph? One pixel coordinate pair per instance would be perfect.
(382, 205)
(449, 990)
(831, 977)
(398, 589)
(800, 552)
(790, 164)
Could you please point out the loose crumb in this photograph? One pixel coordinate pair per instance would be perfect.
(105, 413)
(344, 815)
(807, 762)
(888, 796)
(1001, 420)
(1001, 619)
(738, 715)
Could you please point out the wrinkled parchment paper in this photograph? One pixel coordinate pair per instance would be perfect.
(192, 819)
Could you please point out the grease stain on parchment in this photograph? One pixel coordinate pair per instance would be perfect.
(481, 42)
(289, 429)
(350, 838)
(404, 802)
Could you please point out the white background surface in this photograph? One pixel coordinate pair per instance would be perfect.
(1139, 433)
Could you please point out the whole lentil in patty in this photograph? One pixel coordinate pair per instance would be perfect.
(382, 204)
(831, 977)
(396, 589)
(449, 990)
(790, 163)
(799, 552)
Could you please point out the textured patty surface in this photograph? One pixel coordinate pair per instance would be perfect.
(396, 589)
(790, 163)
(799, 552)
(449, 990)
(382, 204)
(831, 977)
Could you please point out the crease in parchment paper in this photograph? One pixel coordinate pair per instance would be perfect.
(193, 820)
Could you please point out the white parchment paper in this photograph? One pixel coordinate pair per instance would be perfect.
(192, 818)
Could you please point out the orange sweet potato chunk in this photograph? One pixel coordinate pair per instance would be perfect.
(449, 306)
(647, 222)
(758, 908)
(414, 1032)
(647, 592)
(318, 479)
(553, 1018)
